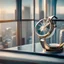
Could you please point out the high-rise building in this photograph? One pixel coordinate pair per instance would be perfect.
(26, 25)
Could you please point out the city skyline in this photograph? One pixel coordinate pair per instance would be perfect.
(10, 13)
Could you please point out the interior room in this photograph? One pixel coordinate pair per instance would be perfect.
(31, 31)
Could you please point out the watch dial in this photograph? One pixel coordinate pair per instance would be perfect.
(42, 27)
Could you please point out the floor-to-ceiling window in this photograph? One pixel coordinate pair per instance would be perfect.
(18, 19)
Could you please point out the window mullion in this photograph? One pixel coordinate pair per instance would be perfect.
(19, 23)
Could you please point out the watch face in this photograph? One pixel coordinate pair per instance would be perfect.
(45, 28)
(42, 27)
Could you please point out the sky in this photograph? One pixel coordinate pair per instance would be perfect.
(27, 2)
(60, 6)
(9, 6)
(60, 2)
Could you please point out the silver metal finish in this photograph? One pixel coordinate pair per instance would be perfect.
(40, 28)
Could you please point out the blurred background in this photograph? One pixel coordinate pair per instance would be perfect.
(17, 22)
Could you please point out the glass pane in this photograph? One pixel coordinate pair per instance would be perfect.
(27, 9)
(7, 9)
(27, 36)
(8, 34)
(26, 30)
(60, 15)
(39, 9)
(59, 34)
